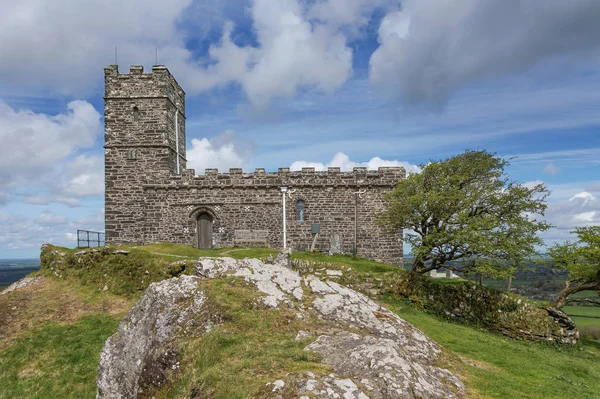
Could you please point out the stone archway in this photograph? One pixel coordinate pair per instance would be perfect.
(205, 229)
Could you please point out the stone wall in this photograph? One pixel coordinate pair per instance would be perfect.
(509, 314)
(148, 199)
(242, 204)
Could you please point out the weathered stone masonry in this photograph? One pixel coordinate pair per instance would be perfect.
(149, 200)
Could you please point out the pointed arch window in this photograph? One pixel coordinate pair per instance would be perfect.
(300, 211)
(136, 114)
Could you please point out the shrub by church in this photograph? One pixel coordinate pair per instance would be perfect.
(151, 197)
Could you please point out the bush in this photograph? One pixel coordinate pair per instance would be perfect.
(590, 332)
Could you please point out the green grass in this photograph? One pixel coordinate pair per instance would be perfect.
(255, 345)
(516, 369)
(251, 347)
(585, 294)
(360, 265)
(56, 361)
(184, 251)
(180, 250)
(583, 315)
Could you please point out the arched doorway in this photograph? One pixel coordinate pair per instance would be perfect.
(205, 223)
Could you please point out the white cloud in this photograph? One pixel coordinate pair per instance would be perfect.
(223, 151)
(19, 232)
(35, 146)
(61, 46)
(582, 209)
(48, 218)
(593, 187)
(342, 161)
(432, 48)
(292, 52)
(550, 169)
(85, 177)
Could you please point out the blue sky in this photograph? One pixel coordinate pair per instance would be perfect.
(293, 83)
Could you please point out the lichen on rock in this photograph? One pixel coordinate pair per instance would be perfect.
(371, 352)
(166, 309)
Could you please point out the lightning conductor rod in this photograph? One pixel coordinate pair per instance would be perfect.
(177, 133)
(116, 56)
(283, 191)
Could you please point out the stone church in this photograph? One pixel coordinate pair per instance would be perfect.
(152, 197)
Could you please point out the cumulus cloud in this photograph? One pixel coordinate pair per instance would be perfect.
(85, 177)
(223, 151)
(292, 52)
(342, 161)
(582, 209)
(430, 48)
(63, 45)
(51, 219)
(18, 232)
(35, 147)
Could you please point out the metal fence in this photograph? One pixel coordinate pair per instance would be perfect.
(87, 239)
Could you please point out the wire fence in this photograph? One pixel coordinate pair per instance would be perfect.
(88, 239)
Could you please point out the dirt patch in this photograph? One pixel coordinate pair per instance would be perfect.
(50, 299)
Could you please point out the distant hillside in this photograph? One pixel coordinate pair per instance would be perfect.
(12, 270)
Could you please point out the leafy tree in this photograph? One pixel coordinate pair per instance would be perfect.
(466, 208)
(582, 260)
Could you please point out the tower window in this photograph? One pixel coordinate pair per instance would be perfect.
(300, 211)
(136, 114)
(132, 154)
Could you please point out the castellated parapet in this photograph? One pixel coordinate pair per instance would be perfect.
(151, 196)
(307, 177)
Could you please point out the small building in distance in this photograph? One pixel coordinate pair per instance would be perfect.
(151, 197)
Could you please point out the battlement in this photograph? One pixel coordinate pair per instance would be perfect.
(333, 177)
(160, 83)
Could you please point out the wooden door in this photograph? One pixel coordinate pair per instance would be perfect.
(205, 231)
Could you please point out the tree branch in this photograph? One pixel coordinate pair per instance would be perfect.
(583, 300)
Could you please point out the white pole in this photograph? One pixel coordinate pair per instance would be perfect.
(177, 136)
(283, 191)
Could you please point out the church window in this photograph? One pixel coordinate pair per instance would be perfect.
(300, 211)
(132, 154)
(136, 114)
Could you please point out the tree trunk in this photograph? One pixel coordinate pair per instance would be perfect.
(508, 283)
(562, 297)
(418, 266)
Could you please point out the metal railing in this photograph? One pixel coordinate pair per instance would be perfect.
(87, 239)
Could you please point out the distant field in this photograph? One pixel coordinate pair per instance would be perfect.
(584, 294)
(584, 315)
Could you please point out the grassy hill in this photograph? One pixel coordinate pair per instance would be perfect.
(51, 333)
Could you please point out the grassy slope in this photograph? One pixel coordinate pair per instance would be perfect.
(55, 350)
(50, 338)
(515, 369)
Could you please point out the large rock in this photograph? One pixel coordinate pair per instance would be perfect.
(166, 309)
(22, 283)
(391, 358)
(372, 351)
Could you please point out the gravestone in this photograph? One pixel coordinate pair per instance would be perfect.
(335, 245)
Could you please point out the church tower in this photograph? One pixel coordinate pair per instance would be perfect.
(144, 140)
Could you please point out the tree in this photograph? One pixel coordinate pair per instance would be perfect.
(466, 208)
(582, 260)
